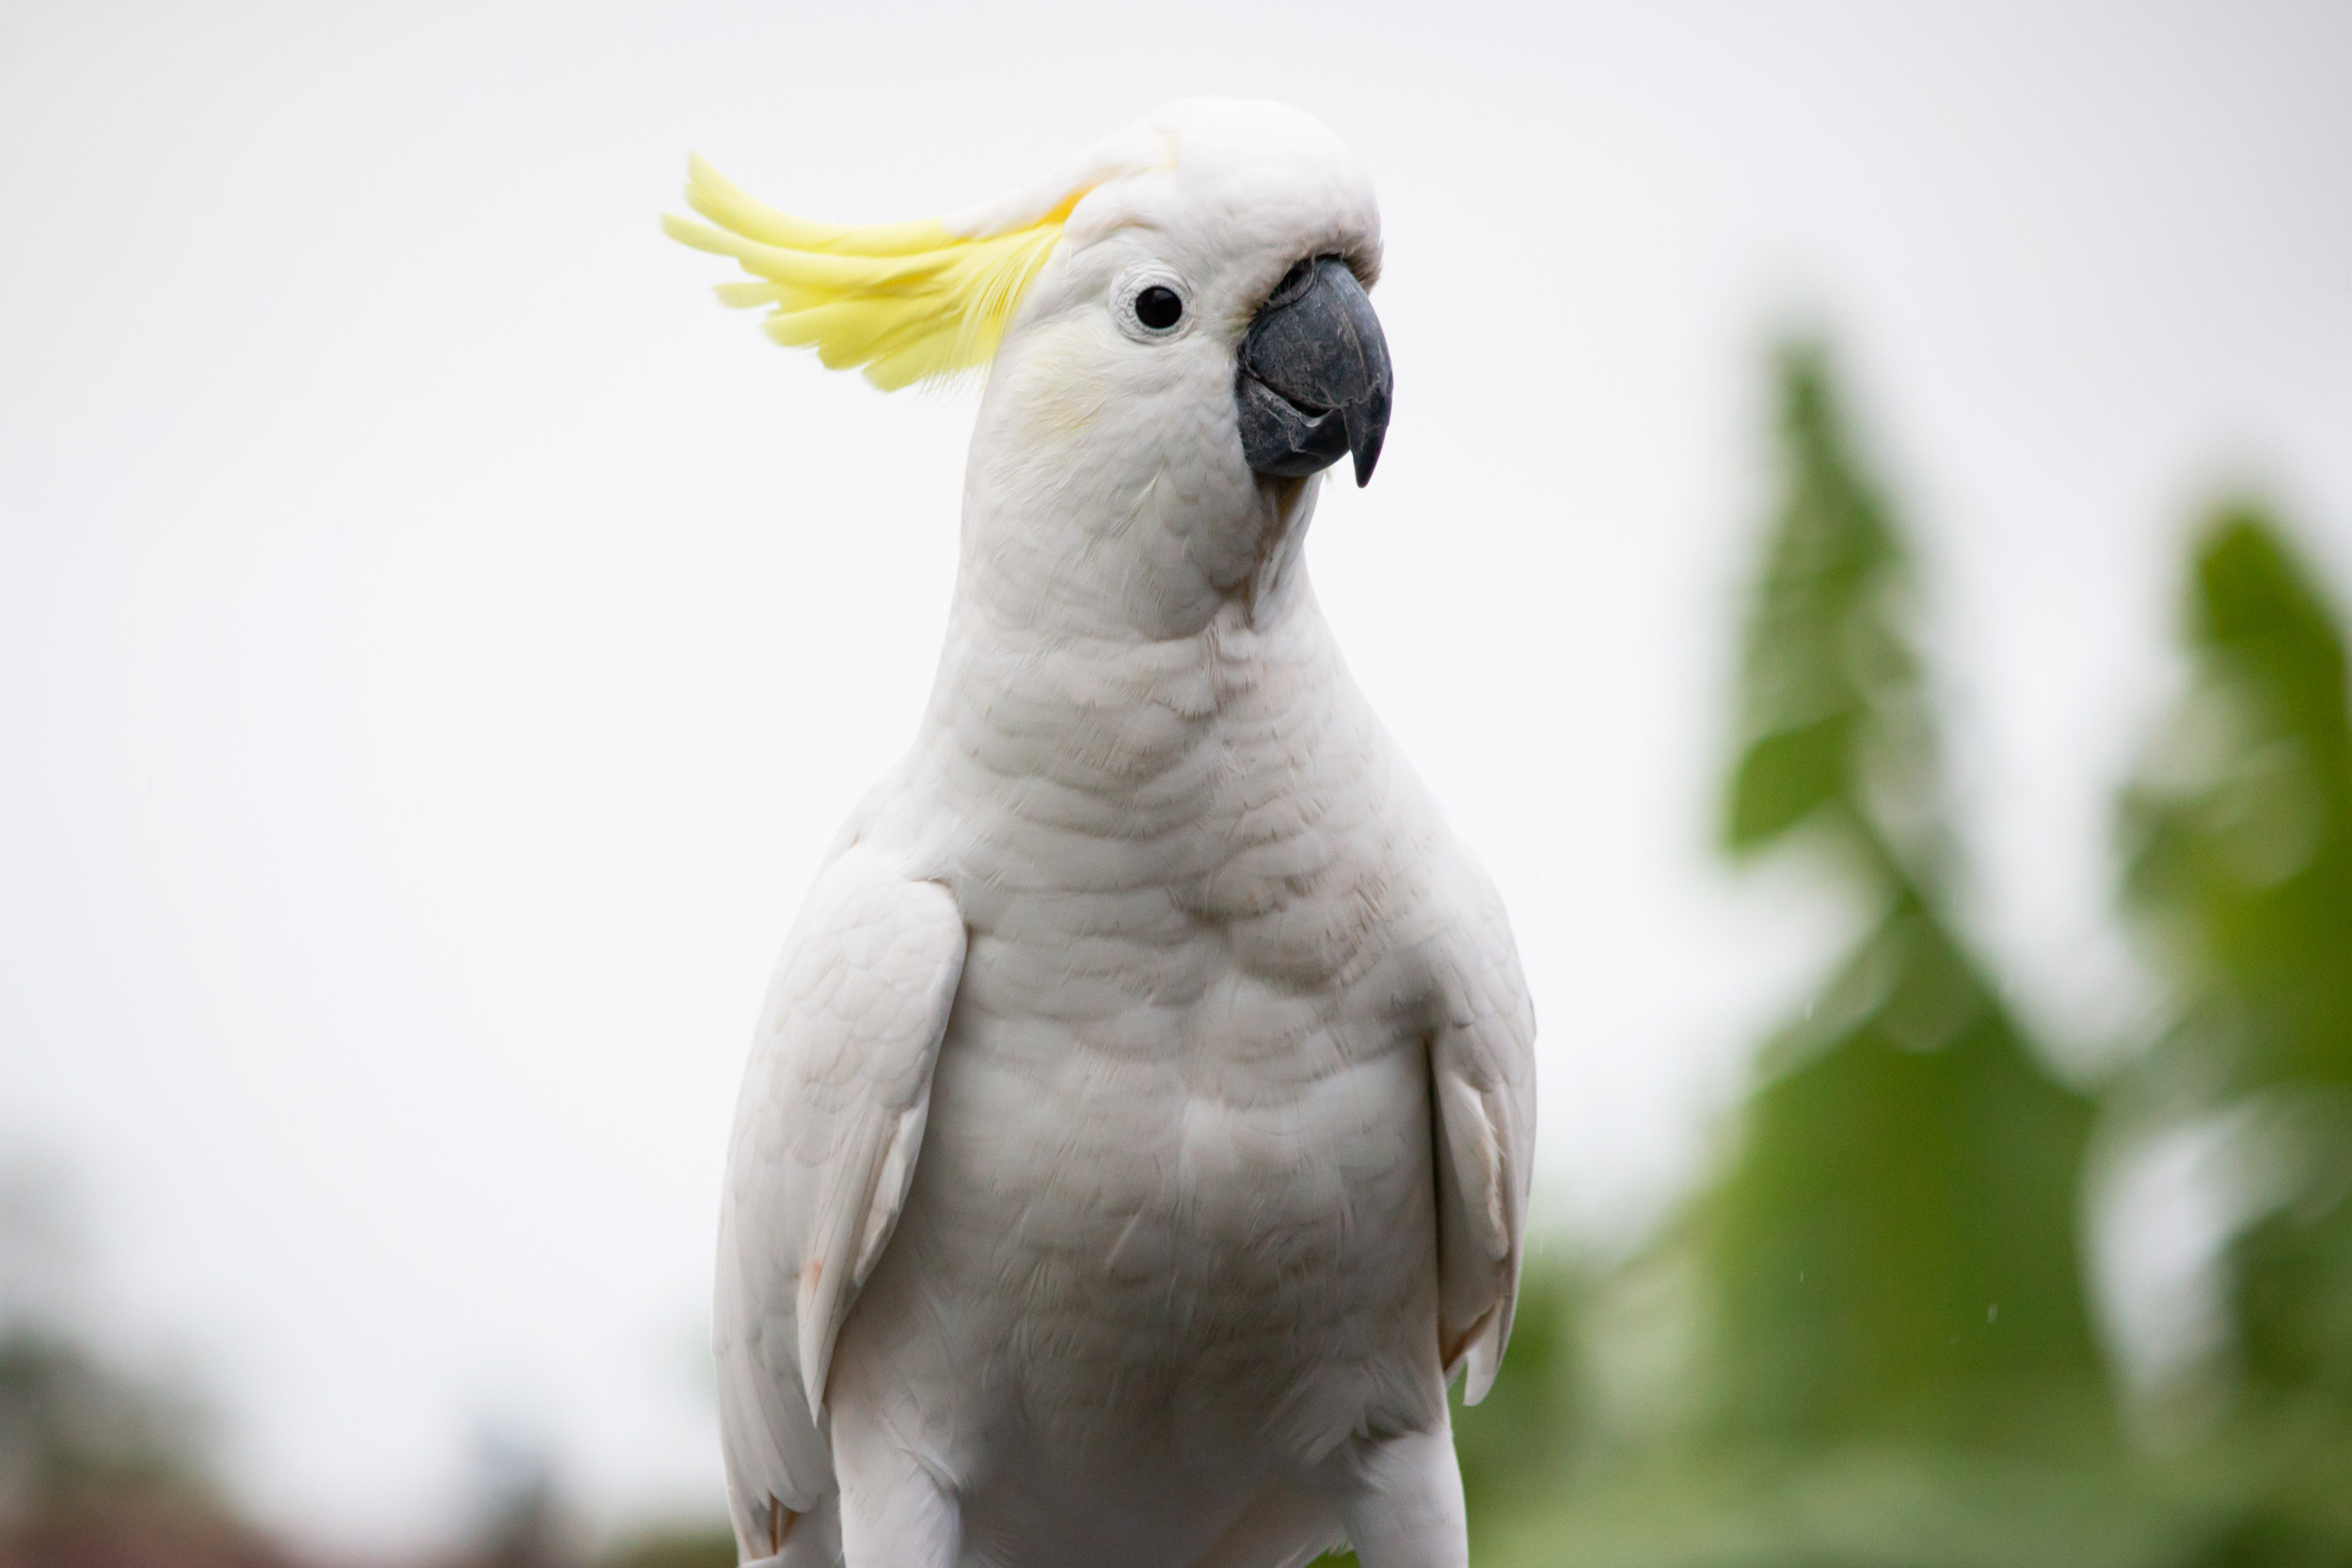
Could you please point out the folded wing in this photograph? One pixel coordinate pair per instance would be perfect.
(1482, 1064)
(826, 1136)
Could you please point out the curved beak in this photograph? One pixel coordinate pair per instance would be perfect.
(1312, 382)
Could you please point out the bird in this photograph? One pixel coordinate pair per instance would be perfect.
(1135, 1139)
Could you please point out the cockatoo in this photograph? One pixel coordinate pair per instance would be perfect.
(1135, 1140)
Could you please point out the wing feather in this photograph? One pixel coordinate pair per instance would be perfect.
(827, 1131)
(1482, 1063)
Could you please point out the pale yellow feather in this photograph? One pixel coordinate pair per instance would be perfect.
(908, 301)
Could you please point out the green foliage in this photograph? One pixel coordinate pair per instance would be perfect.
(2239, 833)
(1895, 1253)
(687, 1546)
(1832, 712)
(1520, 1439)
(1889, 1360)
(1858, 1506)
(75, 1427)
(1893, 1250)
(2240, 829)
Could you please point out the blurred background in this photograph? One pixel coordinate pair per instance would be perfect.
(1864, 552)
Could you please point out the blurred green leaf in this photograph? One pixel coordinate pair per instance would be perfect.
(678, 1547)
(75, 1427)
(1832, 705)
(2240, 827)
(1892, 1250)
(2239, 836)
(1520, 1439)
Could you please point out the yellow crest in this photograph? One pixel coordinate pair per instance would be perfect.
(909, 301)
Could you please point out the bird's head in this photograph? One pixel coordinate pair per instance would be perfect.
(1175, 330)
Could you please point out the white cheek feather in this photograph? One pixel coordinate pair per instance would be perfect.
(1137, 1136)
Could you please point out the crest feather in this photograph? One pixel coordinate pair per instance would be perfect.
(909, 301)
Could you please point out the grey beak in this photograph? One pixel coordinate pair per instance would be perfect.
(1312, 383)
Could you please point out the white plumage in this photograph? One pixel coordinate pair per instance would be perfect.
(1137, 1133)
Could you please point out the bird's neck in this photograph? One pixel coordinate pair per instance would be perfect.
(1148, 566)
(1029, 718)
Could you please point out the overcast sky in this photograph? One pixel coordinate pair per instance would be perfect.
(437, 641)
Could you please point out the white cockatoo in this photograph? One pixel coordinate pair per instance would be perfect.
(1136, 1138)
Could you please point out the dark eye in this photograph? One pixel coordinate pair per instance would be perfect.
(1159, 308)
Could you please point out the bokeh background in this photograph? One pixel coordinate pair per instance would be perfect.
(1863, 551)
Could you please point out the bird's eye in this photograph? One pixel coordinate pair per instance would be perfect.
(1159, 308)
(1150, 303)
